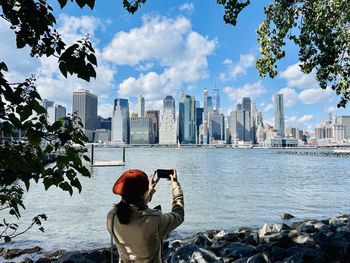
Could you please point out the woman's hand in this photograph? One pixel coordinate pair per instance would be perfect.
(173, 176)
(152, 182)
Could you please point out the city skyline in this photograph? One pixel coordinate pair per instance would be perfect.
(187, 53)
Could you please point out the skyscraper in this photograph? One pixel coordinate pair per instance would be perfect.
(85, 104)
(246, 104)
(279, 114)
(207, 104)
(121, 121)
(216, 126)
(169, 104)
(141, 131)
(240, 122)
(187, 119)
(47, 103)
(141, 106)
(216, 99)
(167, 127)
(154, 116)
(54, 113)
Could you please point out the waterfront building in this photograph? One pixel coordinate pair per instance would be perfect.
(104, 123)
(141, 106)
(291, 132)
(207, 104)
(47, 103)
(199, 122)
(121, 121)
(55, 113)
(216, 126)
(85, 105)
(299, 134)
(344, 120)
(187, 119)
(240, 122)
(169, 104)
(167, 128)
(260, 135)
(154, 116)
(259, 118)
(279, 114)
(281, 142)
(205, 132)
(253, 123)
(246, 104)
(102, 135)
(141, 130)
(216, 99)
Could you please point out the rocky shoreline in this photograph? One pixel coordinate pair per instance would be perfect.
(316, 241)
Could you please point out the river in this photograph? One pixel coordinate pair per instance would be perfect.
(223, 188)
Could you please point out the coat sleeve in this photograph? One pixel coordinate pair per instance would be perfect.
(170, 221)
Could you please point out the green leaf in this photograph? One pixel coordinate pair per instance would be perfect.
(62, 3)
(20, 42)
(66, 187)
(63, 68)
(81, 3)
(92, 58)
(90, 3)
(76, 184)
(7, 239)
(86, 158)
(48, 148)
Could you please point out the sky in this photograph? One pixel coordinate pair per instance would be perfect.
(168, 46)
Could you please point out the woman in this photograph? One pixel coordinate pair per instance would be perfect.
(138, 230)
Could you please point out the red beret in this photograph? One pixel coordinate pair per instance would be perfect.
(131, 183)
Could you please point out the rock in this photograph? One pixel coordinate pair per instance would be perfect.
(52, 257)
(202, 241)
(26, 260)
(259, 258)
(193, 253)
(303, 239)
(280, 227)
(264, 230)
(251, 238)
(222, 240)
(278, 253)
(306, 228)
(241, 260)
(271, 237)
(309, 254)
(336, 248)
(287, 216)
(237, 250)
(296, 258)
(15, 252)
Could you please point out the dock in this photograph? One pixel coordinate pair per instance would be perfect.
(106, 163)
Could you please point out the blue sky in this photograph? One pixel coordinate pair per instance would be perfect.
(168, 46)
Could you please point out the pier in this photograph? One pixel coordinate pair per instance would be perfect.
(106, 163)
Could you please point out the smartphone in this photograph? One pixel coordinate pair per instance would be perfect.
(164, 173)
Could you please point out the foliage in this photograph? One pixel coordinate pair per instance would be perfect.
(23, 158)
(321, 29)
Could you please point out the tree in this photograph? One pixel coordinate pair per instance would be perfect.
(320, 29)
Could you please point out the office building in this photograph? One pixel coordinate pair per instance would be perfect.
(199, 120)
(104, 123)
(187, 119)
(141, 130)
(85, 104)
(47, 103)
(216, 126)
(207, 104)
(169, 104)
(246, 104)
(55, 113)
(279, 114)
(141, 106)
(239, 125)
(344, 120)
(216, 99)
(102, 135)
(291, 132)
(154, 116)
(120, 121)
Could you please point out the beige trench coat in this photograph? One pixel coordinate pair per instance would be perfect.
(140, 240)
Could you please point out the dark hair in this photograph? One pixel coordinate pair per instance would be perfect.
(123, 212)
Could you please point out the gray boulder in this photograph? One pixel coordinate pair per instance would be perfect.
(193, 253)
(237, 250)
(259, 258)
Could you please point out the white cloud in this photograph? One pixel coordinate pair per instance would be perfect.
(305, 122)
(290, 97)
(315, 95)
(235, 70)
(145, 67)
(268, 107)
(180, 52)
(297, 79)
(105, 110)
(252, 90)
(186, 7)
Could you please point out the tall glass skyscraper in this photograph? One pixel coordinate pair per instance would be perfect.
(121, 121)
(216, 99)
(141, 106)
(85, 104)
(279, 114)
(207, 104)
(187, 119)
